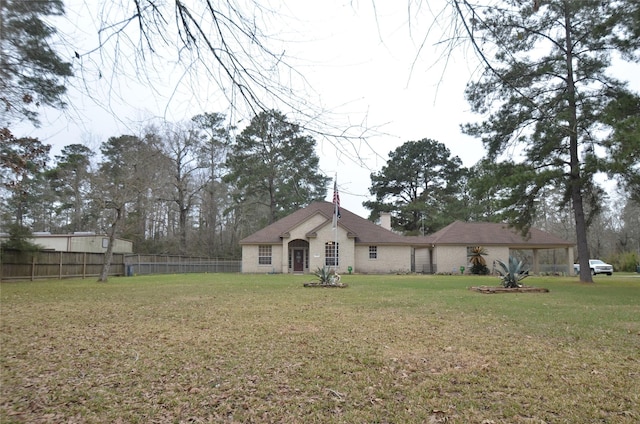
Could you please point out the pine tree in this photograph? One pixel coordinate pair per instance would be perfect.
(32, 74)
(544, 95)
(274, 165)
(420, 184)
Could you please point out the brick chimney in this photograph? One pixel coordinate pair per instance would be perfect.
(385, 220)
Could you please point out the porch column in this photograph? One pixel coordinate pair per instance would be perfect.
(569, 252)
(284, 260)
(536, 266)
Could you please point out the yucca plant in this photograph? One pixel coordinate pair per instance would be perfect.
(512, 273)
(478, 263)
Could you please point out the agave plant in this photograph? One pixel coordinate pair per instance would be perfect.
(326, 276)
(512, 272)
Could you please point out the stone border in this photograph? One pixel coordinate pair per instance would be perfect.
(524, 289)
(339, 285)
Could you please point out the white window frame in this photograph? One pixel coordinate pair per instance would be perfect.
(265, 254)
(330, 248)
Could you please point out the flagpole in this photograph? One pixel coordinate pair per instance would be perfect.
(336, 215)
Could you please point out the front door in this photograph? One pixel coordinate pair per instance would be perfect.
(298, 260)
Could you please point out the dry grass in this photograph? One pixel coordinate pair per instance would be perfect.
(388, 349)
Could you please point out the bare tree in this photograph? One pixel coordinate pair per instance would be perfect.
(214, 198)
(125, 172)
(236, 46)
(182, 145)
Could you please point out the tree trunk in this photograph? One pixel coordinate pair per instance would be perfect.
(272, 201)
(575, 180)
(108, 256)
(183, 228)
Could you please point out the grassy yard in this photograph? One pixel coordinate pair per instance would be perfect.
(262, 348)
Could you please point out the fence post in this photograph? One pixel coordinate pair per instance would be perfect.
(33, 266)
(60, 267)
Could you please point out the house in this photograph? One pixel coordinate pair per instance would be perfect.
(307, 240)
(78, 242)
(447, 250)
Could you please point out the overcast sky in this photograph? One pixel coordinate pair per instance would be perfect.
(365, 66)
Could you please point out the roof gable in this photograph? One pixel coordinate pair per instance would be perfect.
(363, 230)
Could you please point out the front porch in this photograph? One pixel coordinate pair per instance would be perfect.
(298, 256)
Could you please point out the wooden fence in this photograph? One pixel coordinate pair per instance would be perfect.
(16, 265)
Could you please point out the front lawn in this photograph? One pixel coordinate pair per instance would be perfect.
(263, 348)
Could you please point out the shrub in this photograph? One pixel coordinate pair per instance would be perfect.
(479, 270)
(511, 273)
(624, 262)
(20, 239)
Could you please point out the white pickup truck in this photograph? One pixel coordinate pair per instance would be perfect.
(597, 267)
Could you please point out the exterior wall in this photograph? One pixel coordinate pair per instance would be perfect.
(89, 244)
(496, 252)
(346, 247)
(59, 244)
(277, 254)
(300, 232)
(99, 244)
(250, 260)
(390, 259)
(450, 258)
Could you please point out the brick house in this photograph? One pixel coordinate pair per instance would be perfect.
(307, 240)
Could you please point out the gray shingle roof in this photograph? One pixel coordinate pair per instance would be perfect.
(366, 232)
(363, 230)
(487, 233)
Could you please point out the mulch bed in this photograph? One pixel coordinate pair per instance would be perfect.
(523, 289)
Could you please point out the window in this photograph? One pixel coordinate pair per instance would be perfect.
(264, 255)
(373, 252)
(331, 252)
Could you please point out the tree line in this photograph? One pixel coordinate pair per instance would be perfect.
(194, 189)
(188, 188)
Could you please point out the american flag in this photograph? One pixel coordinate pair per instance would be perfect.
(336, 199)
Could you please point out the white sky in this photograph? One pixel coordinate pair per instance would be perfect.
(357, 62)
